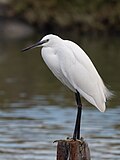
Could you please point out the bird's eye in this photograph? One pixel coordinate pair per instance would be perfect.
(47, 40)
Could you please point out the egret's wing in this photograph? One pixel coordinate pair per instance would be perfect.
(82, 58)
(86, 79)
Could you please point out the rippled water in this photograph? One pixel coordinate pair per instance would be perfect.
(28, 132)
(35, 109)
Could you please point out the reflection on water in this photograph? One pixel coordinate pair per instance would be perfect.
(35, 109)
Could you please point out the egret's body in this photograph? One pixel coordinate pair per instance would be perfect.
(70, 64)
(72, 67)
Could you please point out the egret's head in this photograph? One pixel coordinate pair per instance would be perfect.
(47, 41)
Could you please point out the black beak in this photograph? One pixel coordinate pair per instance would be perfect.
(34, 45)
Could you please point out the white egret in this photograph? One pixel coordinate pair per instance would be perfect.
(71, 65)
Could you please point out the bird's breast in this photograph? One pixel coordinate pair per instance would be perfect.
(50, 58)
(59, 63)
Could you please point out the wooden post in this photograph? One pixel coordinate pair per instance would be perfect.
(72, 150)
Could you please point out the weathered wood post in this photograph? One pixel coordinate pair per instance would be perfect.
(72, 150)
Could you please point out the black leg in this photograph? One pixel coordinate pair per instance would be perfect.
(76, 134)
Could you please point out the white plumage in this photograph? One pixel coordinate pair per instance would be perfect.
(71, 65)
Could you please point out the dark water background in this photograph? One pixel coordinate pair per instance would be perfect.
(36, 109)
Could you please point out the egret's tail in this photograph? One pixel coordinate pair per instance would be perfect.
(108, 93)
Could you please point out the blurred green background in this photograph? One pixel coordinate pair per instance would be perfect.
(83, 16)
